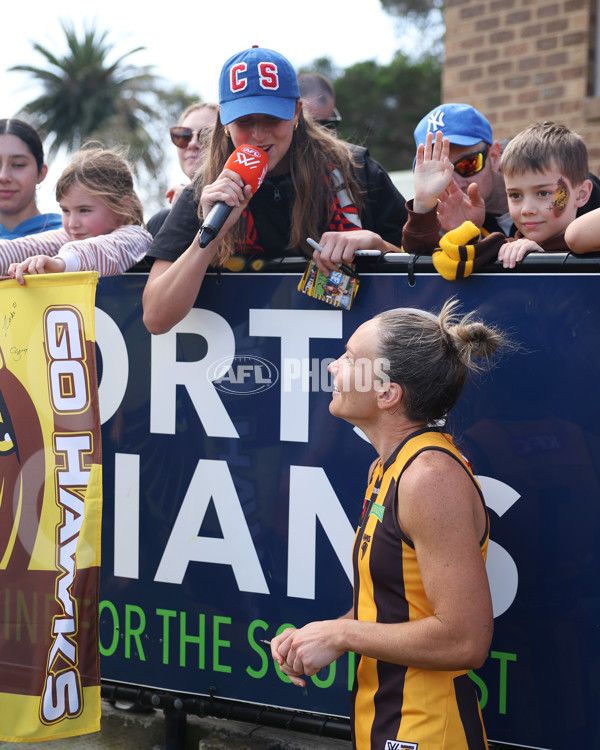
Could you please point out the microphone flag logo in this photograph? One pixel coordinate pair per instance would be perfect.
(247, 160)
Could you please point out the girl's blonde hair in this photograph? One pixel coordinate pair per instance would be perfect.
(105, 174)
(313, 152)
(196, 107)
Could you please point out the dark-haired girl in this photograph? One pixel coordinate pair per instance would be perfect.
(22, 169)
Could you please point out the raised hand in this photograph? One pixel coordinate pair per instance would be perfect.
(433, 172)
(455, 207)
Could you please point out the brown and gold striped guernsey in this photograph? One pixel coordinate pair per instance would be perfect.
(396, 707)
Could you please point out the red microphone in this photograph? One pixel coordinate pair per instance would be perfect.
(250, 163)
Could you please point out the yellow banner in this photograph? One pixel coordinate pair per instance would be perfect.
(50, 508)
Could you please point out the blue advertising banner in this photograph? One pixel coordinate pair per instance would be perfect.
(231, 495)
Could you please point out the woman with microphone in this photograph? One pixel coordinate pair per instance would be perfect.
(315, 186)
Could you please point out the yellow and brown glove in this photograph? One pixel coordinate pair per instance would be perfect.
(463, 250)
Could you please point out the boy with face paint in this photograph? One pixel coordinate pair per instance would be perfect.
(545, 169)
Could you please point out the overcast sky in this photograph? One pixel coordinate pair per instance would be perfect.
(188, 42)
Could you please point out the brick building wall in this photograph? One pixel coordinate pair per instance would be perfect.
(522, 61)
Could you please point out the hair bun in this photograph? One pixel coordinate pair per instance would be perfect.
(476, 338)
(471, 338)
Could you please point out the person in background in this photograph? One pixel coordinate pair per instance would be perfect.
(477, 193)
(545, 169)
(422, 614)
(22, 169)
(318, 98)
(315, 187)
(190, 137)
(102, 220)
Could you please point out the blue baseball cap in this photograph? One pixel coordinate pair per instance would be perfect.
(461, 124)
(257, 81)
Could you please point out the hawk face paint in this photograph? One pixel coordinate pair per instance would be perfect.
(561, 198)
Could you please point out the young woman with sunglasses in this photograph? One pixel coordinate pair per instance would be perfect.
(315, 187)
(190, 138)
(22, 169)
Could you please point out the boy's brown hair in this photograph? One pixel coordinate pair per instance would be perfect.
(541, 144)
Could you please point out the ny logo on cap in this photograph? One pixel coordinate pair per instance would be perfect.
(435, 121)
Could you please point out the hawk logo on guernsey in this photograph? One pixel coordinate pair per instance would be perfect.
(399, 745)
(365, 545)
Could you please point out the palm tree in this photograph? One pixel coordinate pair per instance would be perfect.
(86, 97)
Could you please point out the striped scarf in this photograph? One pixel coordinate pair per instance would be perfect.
(343, 216)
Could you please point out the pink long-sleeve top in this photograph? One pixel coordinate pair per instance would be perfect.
(109, 254)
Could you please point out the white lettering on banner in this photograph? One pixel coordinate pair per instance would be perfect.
(501, 568)
(63, 337)
(295, 328)
(115, 365)
(168, 373)
(66, 371)
(127, 516)
(61, 696)
(212, 481)
(69, 394)
(311, 494)
(61, 689)
(312, 497)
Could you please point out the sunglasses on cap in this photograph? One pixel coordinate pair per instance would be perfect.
(181, 137)
(471, 164)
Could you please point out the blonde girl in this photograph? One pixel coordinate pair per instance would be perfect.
(102, 221)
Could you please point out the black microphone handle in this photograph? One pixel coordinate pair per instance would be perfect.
(217, 216)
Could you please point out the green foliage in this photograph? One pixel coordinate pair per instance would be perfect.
(324, 66)
(83, 92)
(411, 7)
(382, 104)
(86, 95)
(419, 20)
